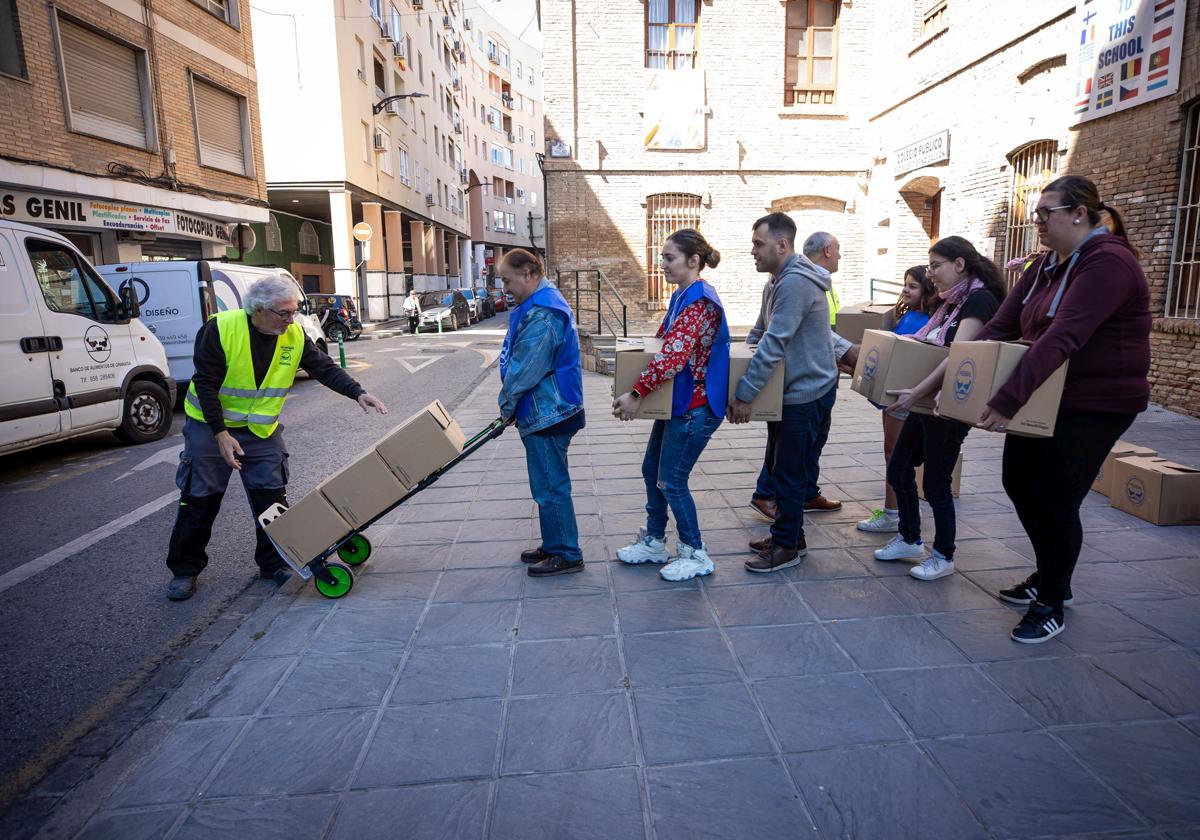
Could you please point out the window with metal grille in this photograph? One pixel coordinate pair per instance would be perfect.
(220, 127)
(274, 238)
(106, 86)
(810, 53)
(673, 34)
(1033, 167)
(665, 214)
(310, 243)
(1183, 284)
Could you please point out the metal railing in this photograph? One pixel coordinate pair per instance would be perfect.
(591, 293)
(885, 290)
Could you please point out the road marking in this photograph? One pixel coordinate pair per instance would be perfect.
(489, 356)
(421, 362)
(27, 570)
(167, 455)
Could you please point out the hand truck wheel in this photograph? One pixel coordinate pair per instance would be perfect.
(333, 581)
(354, 551)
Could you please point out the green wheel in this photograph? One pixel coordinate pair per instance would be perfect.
(354, 551)
(343, 581)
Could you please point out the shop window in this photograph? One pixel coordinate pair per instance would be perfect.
(106, 85)
(673, 34)
(222, 127)
(1183, 284)
(810, 52)
(665, 214)
(12, 54)
(1033, 167)
(274, 238)
(310, 243)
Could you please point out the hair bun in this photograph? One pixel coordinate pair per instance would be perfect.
(713, 259)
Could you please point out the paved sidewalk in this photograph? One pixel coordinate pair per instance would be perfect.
(448, 695)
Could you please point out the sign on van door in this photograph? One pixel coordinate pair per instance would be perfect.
(170, 304)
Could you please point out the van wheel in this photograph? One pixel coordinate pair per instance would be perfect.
(146, 414)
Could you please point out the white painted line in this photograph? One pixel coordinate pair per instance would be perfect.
(421, 362)
(27, 570)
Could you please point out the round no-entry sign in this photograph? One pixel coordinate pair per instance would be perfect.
(362, 232)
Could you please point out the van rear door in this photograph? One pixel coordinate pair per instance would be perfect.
(28, 409)
(170, 304)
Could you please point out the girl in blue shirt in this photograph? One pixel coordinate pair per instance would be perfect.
(917, 301)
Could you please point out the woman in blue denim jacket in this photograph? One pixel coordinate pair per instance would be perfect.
(695, 360)
(542, 393)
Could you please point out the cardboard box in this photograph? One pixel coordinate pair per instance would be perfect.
(955, 478)
(363, 489)
(1103, 482)
(307, 528)
(978, 369)
(426, 441)
(768, 405)
(633, 354)
(1156, 490)
(854, 319)
(889, 362)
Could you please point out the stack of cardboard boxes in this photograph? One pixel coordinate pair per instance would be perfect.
(1138, 482)
(369, 485)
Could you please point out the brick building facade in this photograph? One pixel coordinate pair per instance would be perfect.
(105, 124)
(939, 122)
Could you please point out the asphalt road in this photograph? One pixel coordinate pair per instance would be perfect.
(75, 637)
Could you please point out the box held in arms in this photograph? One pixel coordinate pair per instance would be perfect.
(1121, 449)
(425, 442)
(1156, 490)
(854, 319)
(890, 362)
(768, 405)
(633, 355)
(978, 369)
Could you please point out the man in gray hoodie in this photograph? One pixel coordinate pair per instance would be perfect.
(794, 331)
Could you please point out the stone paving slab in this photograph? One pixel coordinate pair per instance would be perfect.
(450, 696)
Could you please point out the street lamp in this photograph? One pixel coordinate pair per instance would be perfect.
(383, 103)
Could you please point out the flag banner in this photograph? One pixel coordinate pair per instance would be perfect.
(1137, 44)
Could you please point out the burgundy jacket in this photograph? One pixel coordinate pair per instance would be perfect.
(1101, 325)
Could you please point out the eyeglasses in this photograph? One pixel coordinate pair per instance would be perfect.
(285, 314)
(934, 266)
(1042, 214)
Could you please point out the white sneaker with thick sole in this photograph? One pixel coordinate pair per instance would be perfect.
(898, 549)
(880, 523)
(932, 567)
(691, 562)
(645, 549)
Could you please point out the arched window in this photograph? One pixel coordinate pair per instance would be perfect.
(665, 214)
(310, 243)
(1033, 167)
(274, 239)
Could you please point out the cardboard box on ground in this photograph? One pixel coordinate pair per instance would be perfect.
(1156, 490)
(634, 354)
(1103, 483)
(854, 319)
(370, 484)
(978, 369)
(890, 362)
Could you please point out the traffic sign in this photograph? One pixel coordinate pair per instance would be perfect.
(362, 232)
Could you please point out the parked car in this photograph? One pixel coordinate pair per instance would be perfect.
(337, 315)
(510, 299)
(500, 300)
(450, 309)
(473, 303)
(74, 356)
(486, 302)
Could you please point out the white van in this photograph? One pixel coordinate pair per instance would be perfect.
(176, 298)
(74, 358)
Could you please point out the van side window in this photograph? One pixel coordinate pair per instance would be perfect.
(67, 285)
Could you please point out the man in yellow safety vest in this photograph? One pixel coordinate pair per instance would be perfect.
(246, 360)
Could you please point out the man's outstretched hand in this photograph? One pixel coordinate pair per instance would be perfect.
(367, 401)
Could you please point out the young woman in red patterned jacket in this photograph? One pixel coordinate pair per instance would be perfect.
(694, 363)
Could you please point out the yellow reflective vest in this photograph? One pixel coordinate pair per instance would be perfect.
(834, 305)
(243, 402)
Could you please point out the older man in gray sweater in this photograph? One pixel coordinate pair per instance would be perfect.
(793, 331)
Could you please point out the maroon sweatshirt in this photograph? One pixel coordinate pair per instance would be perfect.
(1102, 326)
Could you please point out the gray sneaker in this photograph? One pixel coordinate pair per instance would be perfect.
(181, 587)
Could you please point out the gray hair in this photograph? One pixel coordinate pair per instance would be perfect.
(817, 242)
(263, 293)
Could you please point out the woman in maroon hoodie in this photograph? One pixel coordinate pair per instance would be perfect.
(1085, 302)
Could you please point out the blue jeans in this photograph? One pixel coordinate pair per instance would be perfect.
(766, 489)
(934, 442)
(792, 462)
(673, 449)
(550, 483)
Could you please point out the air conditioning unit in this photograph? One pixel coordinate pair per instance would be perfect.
(493, 57)
(511, 138)
(458, 126)
(458, 46)
(463, 177)
(380, 143)
(429, 200)
(508, 100)
(398, 50)
(392, 108)
(418, 4)
(385, 32)
(457, 83)
(362, 74)
(446, 22)
(520, 193)
(467, 24)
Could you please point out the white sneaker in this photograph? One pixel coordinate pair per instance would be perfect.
(898, 549)
(933, 567)
(645, 549)
(692, 562)
(880, 523)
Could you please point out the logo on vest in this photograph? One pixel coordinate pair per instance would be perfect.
(285, 354)
(1135, 490)
(964, 380)
(870, 364)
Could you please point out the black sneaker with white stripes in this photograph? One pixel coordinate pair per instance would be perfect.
(1026, 593)
(1041, 623)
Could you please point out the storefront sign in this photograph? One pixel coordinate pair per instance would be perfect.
(925, 152)
(54, 210)
(1125, 53)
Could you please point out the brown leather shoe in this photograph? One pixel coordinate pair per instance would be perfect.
(779, 558)
(819, 504)
(766, 508)
(765, 544)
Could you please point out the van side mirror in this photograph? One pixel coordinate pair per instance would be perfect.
(130, 307)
